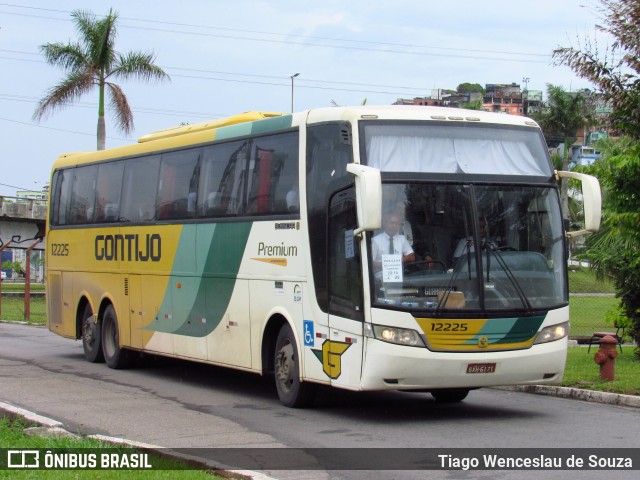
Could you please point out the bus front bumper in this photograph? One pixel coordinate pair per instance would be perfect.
(395, 367)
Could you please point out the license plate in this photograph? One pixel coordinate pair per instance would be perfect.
(481, 368)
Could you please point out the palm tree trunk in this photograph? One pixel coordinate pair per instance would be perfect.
(101, 133)
(102, 130)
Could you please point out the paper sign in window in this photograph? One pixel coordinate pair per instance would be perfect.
(392, 268)
(349, 246)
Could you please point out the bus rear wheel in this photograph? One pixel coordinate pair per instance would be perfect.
(450, 395)
(291, 391)
(115, 356)
(91, 336)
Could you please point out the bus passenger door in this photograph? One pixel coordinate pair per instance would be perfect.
(342, 351)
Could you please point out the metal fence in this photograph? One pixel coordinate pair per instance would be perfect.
(592, 304)
(22, 292)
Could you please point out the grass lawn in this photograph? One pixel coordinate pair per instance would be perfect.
(19, 287)
(587, 315)
(13, 309)
(583, 372)
(11, 436)
(583, 280)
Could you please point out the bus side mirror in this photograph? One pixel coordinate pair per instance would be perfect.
(592, 201)
(368, 197)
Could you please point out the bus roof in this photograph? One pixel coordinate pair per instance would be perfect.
(416, 112)
(207, 131)
(208, 125)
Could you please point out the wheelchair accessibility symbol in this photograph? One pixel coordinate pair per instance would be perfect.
(309, 335)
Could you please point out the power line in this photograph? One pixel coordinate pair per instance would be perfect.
(343, 47)
(61, 129)
(158, 111)
(305, 37)
(13, 186)
(300, 84)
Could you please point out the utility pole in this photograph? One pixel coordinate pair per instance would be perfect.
(525, 95)
(292, 77)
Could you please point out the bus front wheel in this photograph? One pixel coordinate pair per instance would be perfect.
(450, 395)
(291, 391)
(91, 333)
(115, 356)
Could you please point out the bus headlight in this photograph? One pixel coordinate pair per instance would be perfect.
(552, 333)
(399, 336)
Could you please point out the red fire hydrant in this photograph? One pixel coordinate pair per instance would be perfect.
(606, 358)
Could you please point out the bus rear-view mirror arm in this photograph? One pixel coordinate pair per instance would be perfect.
(368, 197)
(592, 201)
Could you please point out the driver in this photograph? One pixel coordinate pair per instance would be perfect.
(390, 241)
(466, 245)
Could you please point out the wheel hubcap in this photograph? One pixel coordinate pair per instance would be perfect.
(284, 366)
(89, 332)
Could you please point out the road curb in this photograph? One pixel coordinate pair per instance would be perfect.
(618, 399)
(12, 411)
(221, 470)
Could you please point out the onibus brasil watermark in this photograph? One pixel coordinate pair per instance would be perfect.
(77, 459)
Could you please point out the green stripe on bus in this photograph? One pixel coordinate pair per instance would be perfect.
(267, 125)
(271, 124)
(508, 330)
(197, 312)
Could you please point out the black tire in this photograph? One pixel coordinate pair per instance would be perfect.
(115, 356)
(91, 336)
(291, 391)
(451, 395)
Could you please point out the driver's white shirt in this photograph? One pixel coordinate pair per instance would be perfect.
(380, 245)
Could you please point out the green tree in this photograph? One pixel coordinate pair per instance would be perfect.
(15, 267)
(566, 113)
(475, 105)
(469, 88)
(614, 251)
(615, 70)
(94, 62)
(336, 104)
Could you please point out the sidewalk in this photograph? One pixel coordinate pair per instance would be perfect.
(51, 427)
(579, 394)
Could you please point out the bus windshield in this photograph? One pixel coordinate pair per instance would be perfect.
(468, 247)
(456, 148)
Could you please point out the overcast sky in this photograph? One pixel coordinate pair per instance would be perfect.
(230, 56)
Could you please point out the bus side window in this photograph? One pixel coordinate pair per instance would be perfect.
(274, 175)
(61, 195)
(345, 272)
(220, 189)
(178, 184)
(108, 187)
(83, 194)
(140, 185)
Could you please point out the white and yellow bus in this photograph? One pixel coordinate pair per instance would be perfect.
(248, 242)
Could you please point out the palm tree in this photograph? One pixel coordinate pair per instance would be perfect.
(94, 62)
(567, 113)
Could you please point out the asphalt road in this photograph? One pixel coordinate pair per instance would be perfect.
(184, 405)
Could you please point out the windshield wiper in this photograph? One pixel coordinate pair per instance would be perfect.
(490, 248)
(454, 276)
